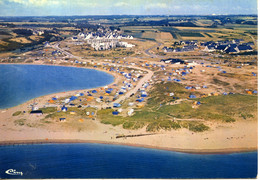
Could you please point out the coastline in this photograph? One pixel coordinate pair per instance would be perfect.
(78, 141)
(178, 141)
(62, 92)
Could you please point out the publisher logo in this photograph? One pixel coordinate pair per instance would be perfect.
(13, 172)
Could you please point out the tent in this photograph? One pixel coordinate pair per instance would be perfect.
(51, 101)
(192, 96)
(64, 109)
(116, 105)
(73, 98)
(94, 91)
(67, 100)
(115, 112)
(144, 94)
(140, 100)
(62, 119)
(54, 98)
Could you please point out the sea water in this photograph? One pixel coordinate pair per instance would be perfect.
(20, 83)
(116, 161)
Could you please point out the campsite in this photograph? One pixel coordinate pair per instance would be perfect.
(173, 77)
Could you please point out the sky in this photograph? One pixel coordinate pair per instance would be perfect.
(125, 7)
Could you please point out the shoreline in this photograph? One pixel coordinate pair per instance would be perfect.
(78, 141)
(58, 93)
(232, 141)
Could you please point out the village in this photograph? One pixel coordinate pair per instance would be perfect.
(161, 86)
(129, 89)
(134, 81)
(103, 39)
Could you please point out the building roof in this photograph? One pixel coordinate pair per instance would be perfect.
(244, 47)
(36, 112)
(173, 60)
(230, 50)
(221, 47)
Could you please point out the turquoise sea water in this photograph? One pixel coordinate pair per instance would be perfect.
(115, 161)
(20, 83)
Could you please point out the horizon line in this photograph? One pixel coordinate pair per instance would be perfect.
(131, 15)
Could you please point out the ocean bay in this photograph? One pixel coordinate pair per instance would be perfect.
(20, 83)
(116, 161)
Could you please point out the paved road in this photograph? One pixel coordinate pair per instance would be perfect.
(253, 39)
(56, 46)
(153, 55)
(146, 77)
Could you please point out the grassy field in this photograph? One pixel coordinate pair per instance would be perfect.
(204, 22)
(159, 113)
(228, 31)
(170, 30)
(190, 34)
(165, 36)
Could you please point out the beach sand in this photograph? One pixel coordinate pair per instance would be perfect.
(221, 138)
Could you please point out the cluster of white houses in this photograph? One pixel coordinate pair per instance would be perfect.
(104, 40)
(227, 46)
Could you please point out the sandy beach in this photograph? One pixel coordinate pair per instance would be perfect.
(235, 137)
(240, 136)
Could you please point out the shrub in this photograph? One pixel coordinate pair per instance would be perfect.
(152, 127)
(17, 113)
(20, 122)
(200, 127)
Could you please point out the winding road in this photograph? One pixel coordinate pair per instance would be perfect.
(121, 98)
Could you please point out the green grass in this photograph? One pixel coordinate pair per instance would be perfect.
(48, 110)
(107, 118)
(197, 127)
(245, 116)
(156, 117)
(20, 122)
(190, 34)
(219, 82)
(170, 30)
(17, 113)
(237, 76)
(223, 108)
(52, 113)
(158, 96)
(152, 116)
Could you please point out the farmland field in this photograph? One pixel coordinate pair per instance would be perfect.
(170, 30)
(208, 35)
(165, 36)
(190, 34)
(149, 35)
